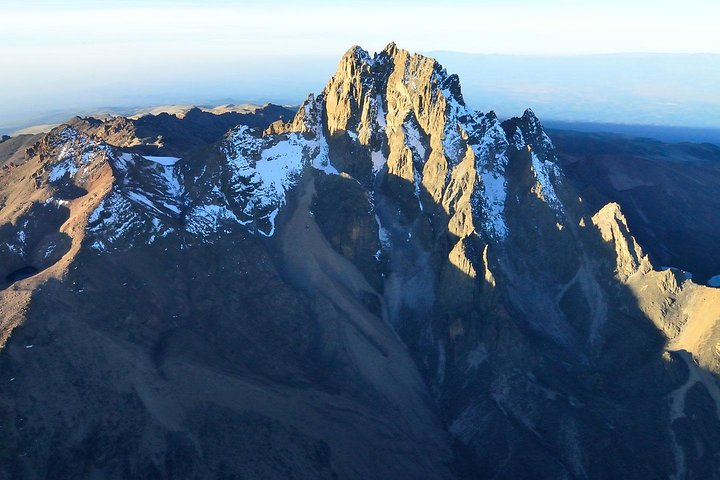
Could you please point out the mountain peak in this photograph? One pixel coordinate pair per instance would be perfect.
(391, 49)
(436, 290)
(614, 230)
(357, 53)
(363, 85)
(531, 119)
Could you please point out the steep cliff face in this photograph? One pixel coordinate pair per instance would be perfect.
(529, 313)
(389, 285)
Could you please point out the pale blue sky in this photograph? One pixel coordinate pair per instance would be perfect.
(59, 54)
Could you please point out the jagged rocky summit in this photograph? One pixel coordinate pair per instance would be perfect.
(388, 285)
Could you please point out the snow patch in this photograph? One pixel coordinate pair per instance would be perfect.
(167, 161)
(76, 151)
(495, 194)
(543, 171)
(490, 163)
(111, 220)
(271, 219)
(452, 141)
(381, 117)
(383, 234)
(412, 140)
(202, 220)
(172, 183)
(265, 168)
(518, 141)
(378, 161)
(278, 168)
(67, 167)
(322, 158)
(142, 199)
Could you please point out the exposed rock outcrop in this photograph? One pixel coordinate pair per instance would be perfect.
(614, 230)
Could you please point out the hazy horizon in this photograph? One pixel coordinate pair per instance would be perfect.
(659, 62)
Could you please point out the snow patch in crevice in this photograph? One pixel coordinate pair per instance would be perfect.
(167, 161)
(111, 220)
(170, 177)
(494, 195)
(271, 220)
(143, 200)
(546, 142)
(544, 172)
(381, 117)
(121, 162)
(378, 161)
(131, 214)
(452, 140)
(383, 234)
(417, 180)
(203, 220)
(321, 160)
(413, 140)
(490, 164)
(67, 167)
(518, 141)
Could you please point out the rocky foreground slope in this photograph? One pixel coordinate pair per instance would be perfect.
(389, 285)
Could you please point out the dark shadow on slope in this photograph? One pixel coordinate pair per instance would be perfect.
(162, 310)
(21, 274)
(340, 207)
(175, 136)
(520, 402)
(196, 346)
(668, 192)
(33, 243)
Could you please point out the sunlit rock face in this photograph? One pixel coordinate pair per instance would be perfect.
(388, 284)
